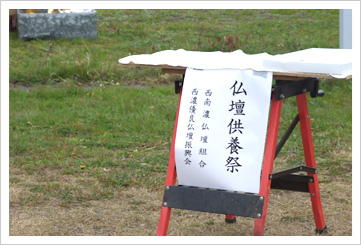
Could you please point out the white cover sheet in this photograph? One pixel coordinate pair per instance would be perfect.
(333, 62)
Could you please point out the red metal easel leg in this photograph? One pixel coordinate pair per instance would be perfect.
(170, 179)
(310, 161)
(230, 219)
(268, 159)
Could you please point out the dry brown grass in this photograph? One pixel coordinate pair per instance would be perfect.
(135, 212)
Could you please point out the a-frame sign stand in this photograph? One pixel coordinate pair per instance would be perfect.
(233, 203)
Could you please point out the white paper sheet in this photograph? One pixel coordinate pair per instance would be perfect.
(222, 128)
(199, 60)
(333, 62)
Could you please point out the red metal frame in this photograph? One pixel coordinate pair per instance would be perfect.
(268, 159)
(267, 168)
(170, 179)
(310, 160)
(230, 218)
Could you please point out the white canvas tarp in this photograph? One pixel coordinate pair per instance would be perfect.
(334, 62)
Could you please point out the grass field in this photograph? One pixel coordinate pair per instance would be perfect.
(90, 139)
(124, 32)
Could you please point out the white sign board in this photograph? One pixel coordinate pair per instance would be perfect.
(222, 128)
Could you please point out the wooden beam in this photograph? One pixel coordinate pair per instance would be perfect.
(174, 71)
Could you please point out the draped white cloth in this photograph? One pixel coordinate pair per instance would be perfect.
(333, 62)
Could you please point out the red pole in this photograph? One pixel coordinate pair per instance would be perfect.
(170, 179)
(268, 159)
(310, 160)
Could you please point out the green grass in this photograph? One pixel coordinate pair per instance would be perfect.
(125, 32)
(121, 135)
(111, 128)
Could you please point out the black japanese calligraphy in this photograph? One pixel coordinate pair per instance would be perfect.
(194, 91)
(194, 100)
(190, 126)
(237, 89)
(191, 118)
(204, 139)
(188, 144)
(188, 153)
(202, 164)
(238, 107)
(202, 151)
(235, 125)
(232, 164)
(206, 114)
(193, 123)
(189, 135)
(234, 145)
(205, 126)
(207, 102)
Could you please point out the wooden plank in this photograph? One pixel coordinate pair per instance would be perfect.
(173, 71)
(290, 76)
(156, 66)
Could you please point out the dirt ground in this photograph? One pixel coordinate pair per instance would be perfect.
(135, 212)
